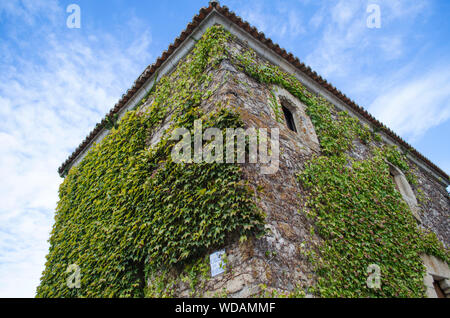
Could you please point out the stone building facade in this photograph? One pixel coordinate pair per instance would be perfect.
(274, 264)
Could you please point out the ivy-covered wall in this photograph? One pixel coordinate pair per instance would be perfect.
(138, 224)
(127, 211)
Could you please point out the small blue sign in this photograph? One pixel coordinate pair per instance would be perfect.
(217, 263)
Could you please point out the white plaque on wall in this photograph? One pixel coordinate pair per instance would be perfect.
(217, 263)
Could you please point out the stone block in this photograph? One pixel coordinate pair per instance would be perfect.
(235, 285)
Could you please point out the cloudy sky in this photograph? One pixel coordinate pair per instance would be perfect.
(56, 83)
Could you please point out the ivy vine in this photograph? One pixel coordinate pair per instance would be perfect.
(132, 219)
(127, 211)
(362, 219)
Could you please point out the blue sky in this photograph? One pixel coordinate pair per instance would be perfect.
(57, 83)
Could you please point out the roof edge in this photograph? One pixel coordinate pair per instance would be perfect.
(197, 20)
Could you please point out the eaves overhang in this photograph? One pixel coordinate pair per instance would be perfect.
(264, 47)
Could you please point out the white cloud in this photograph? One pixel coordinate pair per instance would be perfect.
(283, 22)
(28, 12)
(403, 8)
(53, 90)
(392, 47)
(361, 58)
(413, 106)
(317, 19)
(334, 51)
(343, 12)
(347, 46)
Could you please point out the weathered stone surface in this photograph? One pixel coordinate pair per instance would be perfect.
(275, 261)
(436, 267)
(235, 285)
(434, 203)
(445, 285)
(436, 270)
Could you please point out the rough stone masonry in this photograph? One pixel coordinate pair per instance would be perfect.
(275, 261)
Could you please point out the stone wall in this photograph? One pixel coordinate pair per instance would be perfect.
(435, 205)
(275, 262)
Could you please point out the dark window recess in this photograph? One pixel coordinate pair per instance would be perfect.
(289, 119)
(395, 182)
(440, 293)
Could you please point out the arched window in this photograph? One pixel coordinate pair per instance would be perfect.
(296, 119)
(403, 187)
